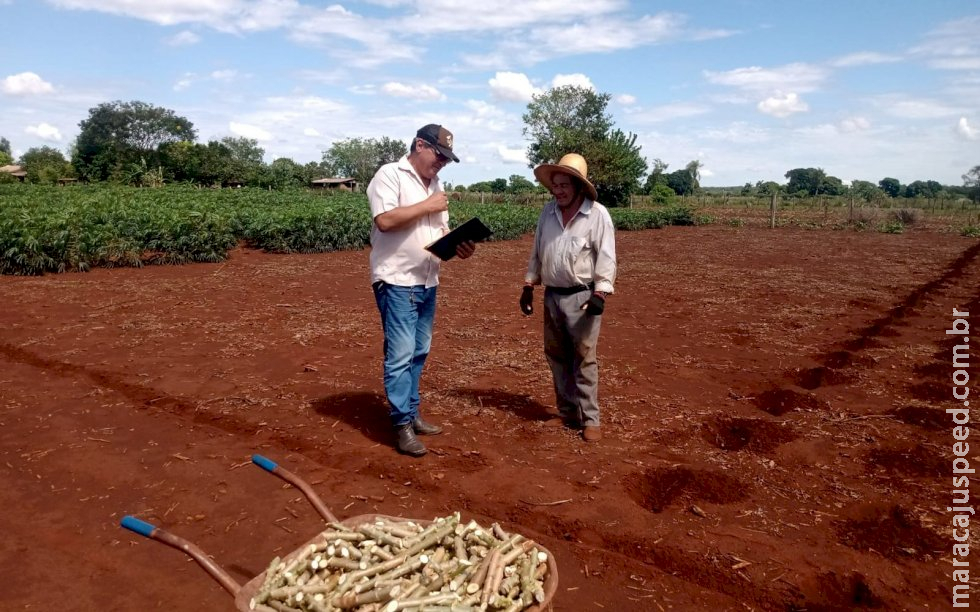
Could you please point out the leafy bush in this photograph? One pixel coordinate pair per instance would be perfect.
(893, 227)
(57, 229)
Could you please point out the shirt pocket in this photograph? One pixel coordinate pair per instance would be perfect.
(574, 248)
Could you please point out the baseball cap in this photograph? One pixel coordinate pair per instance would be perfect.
(440, 138)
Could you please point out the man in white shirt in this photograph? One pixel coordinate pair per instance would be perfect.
(410, 211)
(574, 257)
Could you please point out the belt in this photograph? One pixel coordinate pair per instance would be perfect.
(570, 290)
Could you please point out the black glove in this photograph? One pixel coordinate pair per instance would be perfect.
(527, 299)
(595, 305)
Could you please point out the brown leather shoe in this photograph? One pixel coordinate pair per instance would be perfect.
(591, 433)
(424, 428)
(407, 443)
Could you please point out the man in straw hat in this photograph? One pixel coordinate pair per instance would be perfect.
(574, 257)
(410, 211)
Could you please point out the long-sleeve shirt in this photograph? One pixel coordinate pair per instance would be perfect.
(576, 254)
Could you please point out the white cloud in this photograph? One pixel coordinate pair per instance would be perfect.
(249, 131)
(224, 75)
(312, 132)
(952, 46)
(666, 112)
(865, 58)
(512, 156)
(963, 128)
(185, 38)
(431, 16)
(578, 80)
(738, 132)
(625, 99)
(912, 108)
(855, 124)
(485, 117)
(418, 92)
(26, 84)
(797, 77)
(783, 106)
(44, 131)
(163, 12)
(550, 37)
(512, 87)
(184, 82)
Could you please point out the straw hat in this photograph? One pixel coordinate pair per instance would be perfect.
(572, 164)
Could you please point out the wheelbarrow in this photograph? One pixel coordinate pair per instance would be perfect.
(245, 595)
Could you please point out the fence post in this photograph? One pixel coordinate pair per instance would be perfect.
(850, 210)
(772, 211)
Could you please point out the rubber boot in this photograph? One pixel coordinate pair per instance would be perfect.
(407, 443)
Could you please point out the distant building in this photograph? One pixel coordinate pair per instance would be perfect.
(343, 184)
(17, 171)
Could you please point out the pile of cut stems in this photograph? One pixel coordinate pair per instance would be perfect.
(389, 564)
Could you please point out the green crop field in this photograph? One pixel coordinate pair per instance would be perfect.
(59, 229)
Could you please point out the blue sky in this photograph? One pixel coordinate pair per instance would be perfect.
(864, 89)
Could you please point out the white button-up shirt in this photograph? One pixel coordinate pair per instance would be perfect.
(581, 252)
(398, 257)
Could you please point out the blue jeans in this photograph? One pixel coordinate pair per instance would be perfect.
(407, 314)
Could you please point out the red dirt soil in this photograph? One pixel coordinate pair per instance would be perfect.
(772, 401)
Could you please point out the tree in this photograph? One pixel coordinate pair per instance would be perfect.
(681, 182)
(615, 166)
(656, 176)
(360, 158)
(831, 185)
(284, 173)
(118, 134)
(389, 150)
(571, 119)
(971, 180)
(6, 157)
(481, 187)
(867, 191)
(923, 189)
(519, 184)
(44, 165)
(767, 187)
(890, 186)
(498, 185)
(694, 168)
(245, 163)
(562, 120)
(812, 182)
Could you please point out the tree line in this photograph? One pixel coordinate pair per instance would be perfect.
(140, 144)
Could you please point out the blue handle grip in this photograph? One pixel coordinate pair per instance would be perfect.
(134, 524)
(266, 464)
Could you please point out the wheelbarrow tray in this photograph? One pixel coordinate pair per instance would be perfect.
(251, 589)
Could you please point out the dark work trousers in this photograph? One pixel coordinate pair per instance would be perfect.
(570, 338)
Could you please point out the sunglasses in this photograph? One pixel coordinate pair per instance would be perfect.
(439, 156)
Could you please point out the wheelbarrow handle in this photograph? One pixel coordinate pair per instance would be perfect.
(155, 533)
(274, 468)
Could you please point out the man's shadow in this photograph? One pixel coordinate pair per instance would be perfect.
(364, 411)
(367, 411)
